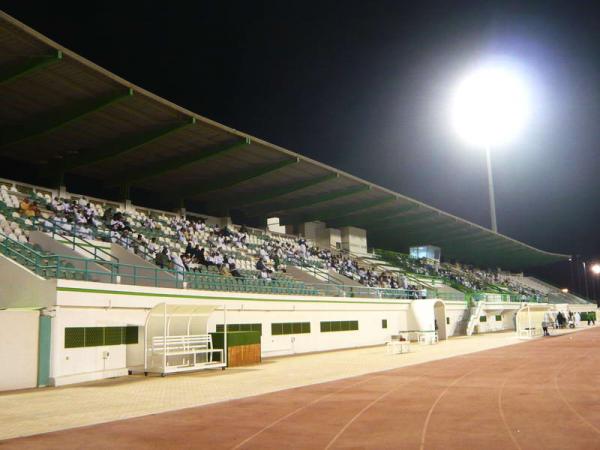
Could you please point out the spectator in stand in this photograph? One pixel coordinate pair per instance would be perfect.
(235, 271)
(162, 259)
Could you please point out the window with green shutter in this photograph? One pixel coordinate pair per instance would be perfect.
(482, 318)
(499, 318)
(113, 336)
(290, 328)
(383, 323)
(77, 337)
(94, 336)
(341, 325)
(240, 327)
(74, 337)
(131, 335)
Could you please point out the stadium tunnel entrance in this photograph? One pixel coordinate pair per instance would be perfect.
(427, 316)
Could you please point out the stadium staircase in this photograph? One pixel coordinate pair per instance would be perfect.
(474, 318)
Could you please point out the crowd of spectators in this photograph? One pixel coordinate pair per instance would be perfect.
(194, 245)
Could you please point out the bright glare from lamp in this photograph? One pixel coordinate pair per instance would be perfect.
(491, 105)
(565, 290)
(596, 269)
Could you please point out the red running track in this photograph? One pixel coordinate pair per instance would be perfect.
(543, 394)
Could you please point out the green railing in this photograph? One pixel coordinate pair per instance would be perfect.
(75, 236)
(82, 269)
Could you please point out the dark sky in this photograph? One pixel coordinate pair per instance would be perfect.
(364, 86)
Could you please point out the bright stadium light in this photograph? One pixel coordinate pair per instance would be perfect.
(489, 109)
(595, 269)
(491, 105)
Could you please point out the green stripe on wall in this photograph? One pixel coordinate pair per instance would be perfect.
(205, 297)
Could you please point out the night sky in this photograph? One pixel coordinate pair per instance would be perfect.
(365, 86)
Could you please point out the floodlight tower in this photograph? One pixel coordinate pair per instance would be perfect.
(489, 108)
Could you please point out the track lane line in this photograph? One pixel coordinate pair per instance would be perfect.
(301, 408)
(358, 414)
(568, 403)
(435, 403)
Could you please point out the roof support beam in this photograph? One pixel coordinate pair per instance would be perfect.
(426, 234)
(54, 120)
(445, 229)
(332, 213)
(460, 234)
(235, 179)
(119, 147)
(396, 222)
(363, 219)
(12, 73)
(316, 199)
(169, 165)
(251, 199)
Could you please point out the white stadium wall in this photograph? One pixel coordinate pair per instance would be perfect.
(19, 349)
(20, 288)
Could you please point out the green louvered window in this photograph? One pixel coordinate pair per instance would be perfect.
(241, 327)
(340, 325)
(278, 329)
(77, 337)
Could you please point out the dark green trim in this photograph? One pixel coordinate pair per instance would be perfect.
(120, 147)
(53, 120)
(207, 297)
(17, 71)
(236, 178)
(276, 192)
(169, 165)
(316, 199)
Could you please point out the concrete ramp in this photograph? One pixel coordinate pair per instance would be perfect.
(94, 270)
(136, 270)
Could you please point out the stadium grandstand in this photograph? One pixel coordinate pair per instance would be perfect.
(206, 221)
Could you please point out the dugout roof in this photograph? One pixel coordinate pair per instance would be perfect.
(69, 116)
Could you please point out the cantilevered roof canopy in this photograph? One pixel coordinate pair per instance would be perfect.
(69, 116)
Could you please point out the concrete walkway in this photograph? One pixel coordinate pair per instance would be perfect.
(44, 410)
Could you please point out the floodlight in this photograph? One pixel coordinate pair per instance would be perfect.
(491, 105)
(595, 269)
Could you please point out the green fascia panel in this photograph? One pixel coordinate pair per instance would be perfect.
(54, 120)
(235, 179)
(44, 340)
(316, 199)
(15, 72)
(120, 147)
(332, 213)
(169, 165)
(364, 219)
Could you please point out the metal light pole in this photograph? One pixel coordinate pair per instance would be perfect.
(491, 189)
(585, 279)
